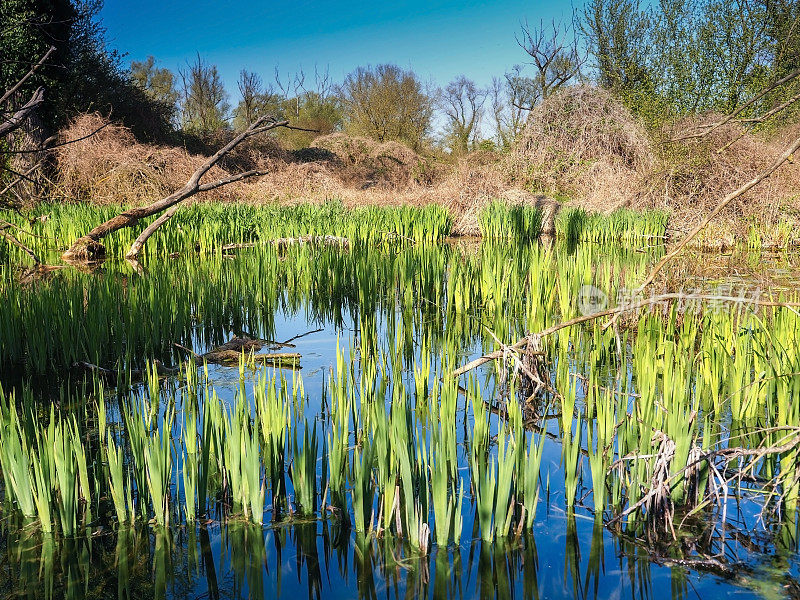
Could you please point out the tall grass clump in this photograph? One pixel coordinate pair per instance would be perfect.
(510, 222)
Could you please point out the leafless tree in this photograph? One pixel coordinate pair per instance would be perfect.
(508, 107)
(462, 103)
(555, 58)
(251, 88)
(205, 101)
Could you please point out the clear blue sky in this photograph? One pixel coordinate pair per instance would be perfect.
(439, 39)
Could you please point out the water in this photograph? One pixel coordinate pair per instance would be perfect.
(382, 300)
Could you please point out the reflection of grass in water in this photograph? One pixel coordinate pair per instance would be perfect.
(397, 471)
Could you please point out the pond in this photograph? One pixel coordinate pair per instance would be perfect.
(653, 458)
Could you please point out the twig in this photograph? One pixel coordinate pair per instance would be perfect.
(27, 75)
(787, 154)
(613, 311)
(297, 337)
(714, 126)
(48, 145)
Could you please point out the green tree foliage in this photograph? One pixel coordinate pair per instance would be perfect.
(618, 36)
(204, 107)
(783, 35)
(316, 109)
(82, 74)
(157, 82)
(679, 57)
(27, 29)
(387, 103)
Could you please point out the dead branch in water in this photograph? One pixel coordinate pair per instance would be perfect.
(229, 353)
(11, 238)
(89, 247)
(535, 338)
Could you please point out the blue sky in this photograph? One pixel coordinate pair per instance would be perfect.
(438, 39)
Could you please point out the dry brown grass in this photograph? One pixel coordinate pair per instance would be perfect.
(580, 143)
(111, 167)
(692, 176)
(584, 144)
(363, 163)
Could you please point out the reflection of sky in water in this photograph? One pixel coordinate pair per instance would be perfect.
(565, 557)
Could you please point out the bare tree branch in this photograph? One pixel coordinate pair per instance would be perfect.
(10, 92)
(88, 246)
(673, 297)
(787, 155)
(704, 130)
(18, 118)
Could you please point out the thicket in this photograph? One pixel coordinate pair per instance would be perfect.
(82, 74)
(676, 58)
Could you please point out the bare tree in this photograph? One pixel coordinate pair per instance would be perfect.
(205, 101)
(462, 103)
(508, 107)
(553, 50)
(311, 104)
(251, 88)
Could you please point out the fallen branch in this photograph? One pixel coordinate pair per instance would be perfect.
(535, 338)
(18, 118)
(787, 155)
(321, 240)
(10, 237)
(89, 247)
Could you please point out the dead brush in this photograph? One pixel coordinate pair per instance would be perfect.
(583, 143)
(112, 167)
(363, 163)
(708, 478)
(695, 172)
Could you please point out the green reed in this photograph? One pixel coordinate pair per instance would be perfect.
(503, 221)
(206, 227)
(622, 225)
(391, 453)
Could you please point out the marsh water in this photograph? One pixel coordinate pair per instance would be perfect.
(400, 307)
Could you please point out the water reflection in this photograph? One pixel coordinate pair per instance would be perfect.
(567, 556)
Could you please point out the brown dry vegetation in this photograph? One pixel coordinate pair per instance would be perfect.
(584, 144)
(581, 144)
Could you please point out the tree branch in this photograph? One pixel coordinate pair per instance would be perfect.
(27, 75)
(19, 117)
(521, 344)
(88, 246)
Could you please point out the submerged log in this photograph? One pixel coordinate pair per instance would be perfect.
(229, 353)
(232, 357)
